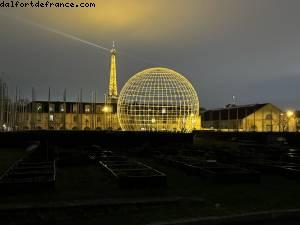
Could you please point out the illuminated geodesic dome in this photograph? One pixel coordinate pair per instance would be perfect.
(158, 99)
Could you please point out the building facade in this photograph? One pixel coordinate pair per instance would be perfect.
(68, 116)
(256, 117)
(297, 121)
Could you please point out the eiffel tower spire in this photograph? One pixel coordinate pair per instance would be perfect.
(113, 88)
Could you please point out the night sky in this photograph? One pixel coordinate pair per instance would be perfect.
(246, 48)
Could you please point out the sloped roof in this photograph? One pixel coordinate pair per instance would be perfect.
(231, 112)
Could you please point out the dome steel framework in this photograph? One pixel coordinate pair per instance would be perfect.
(158, 99)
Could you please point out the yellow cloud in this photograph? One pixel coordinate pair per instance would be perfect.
(144, 20)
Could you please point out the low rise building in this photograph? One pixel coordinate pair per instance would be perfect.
(255, 117)
(69, 116)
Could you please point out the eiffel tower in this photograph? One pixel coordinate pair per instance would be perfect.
(113, 87)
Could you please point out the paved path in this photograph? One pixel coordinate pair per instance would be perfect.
(274, 217)
(100, 202)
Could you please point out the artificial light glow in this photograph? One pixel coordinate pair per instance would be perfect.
(289, 113)
(158, 99)
(106, 109)
(113, 89)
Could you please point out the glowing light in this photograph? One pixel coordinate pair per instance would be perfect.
(158, 99)
(113, 89)
(289, 113)
(106, 109)
(70, 36)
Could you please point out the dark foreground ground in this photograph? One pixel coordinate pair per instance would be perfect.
(85, 194)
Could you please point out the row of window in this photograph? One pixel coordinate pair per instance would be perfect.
(75, 118)
(74, 108)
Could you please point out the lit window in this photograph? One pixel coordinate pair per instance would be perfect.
(51, 118)
(87, 108)
(39, 108)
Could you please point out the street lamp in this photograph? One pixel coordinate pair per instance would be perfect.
(105, 109)
(289, 113)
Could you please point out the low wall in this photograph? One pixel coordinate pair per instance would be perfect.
(293, 138)
(94, 137)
